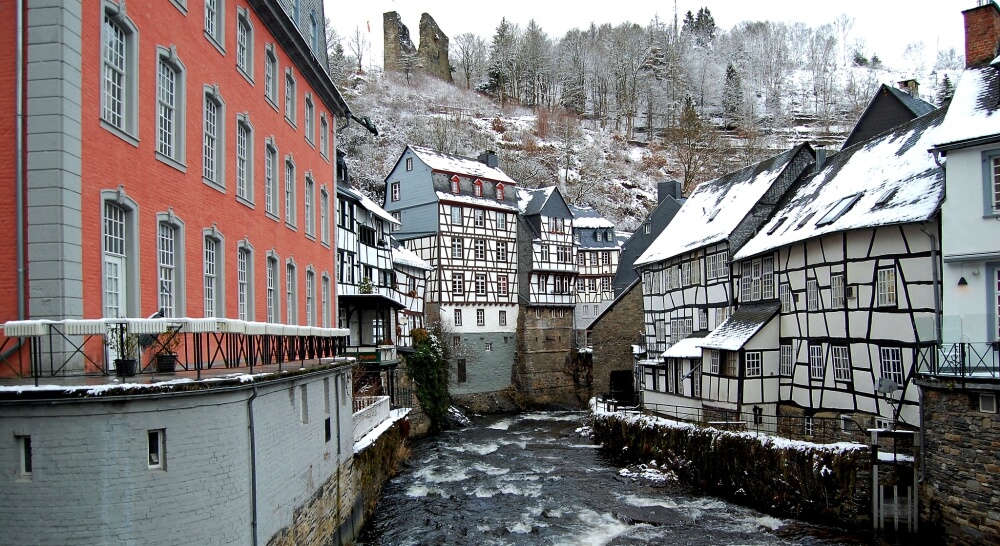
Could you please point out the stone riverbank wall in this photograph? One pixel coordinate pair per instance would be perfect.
(828, 483)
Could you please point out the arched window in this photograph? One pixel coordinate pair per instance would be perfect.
(454, 185)
(500, 189)
(477, 188)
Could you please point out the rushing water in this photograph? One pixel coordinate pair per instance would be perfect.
(538, 478)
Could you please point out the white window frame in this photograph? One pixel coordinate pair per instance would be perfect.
(886, 287)
(310, 297)
(786, 362)
(480, 317)
(456, 215)
(270, 178)
(713, 362)
(501, 221)
(214, 274)
(753, 363)
(326, 300)
(891, 364)
(272, 298)
(457, 317)
(244, 43)
(156, 449)
(457, 248)
(479, 218)
(290, 98)
(291, 293)
(271, 76)
(841, 362)
(308, 204)
(213, 170)
(215, 29)
(480, 283)
(244, 281)
(324, 216)
(170, 110)
(310, 112)
(457, 284)
(785, 296)
(394, 191)
(324, 135)
(502, 318)
(502, 285)
(244, 160)
(290, 212)
(812, 295)
(817, 364)
(119, 67)
(838, 299)
(479, 248)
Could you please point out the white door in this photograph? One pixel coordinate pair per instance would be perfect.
(114, 269)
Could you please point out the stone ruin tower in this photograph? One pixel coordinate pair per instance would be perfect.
(433, 53)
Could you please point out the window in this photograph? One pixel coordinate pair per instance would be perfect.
(455, 187)
(409, 163)
(119, 50)
(647, 228)
(502, 318)
(456, 248)
(785, 362)
(24, 447)
(244, 272)
(479, 217)
(816, 365)
(289, 96)
(480, 317)
(289, 191)
(717, 265)
(606, 260)
(841, 363)
(314, 33)
(310, 298)
(212, 145)
(456, 216)
(731, 364)
(545, 253)
(757, 279)
(394, 191)
(538, 312)
(581, 258)
(480, 284)
(457, 284)
(479, 245)
(325, 308)
(309, 204)
(244, 43)
(586, 311)
(214, 10)
(500, 192)
(156, 448)
(477, 188)
(502, 285)
(785, 295)
(993, 201)
(543, 284)
(605, 284)
(214, 268)
(807, 426)
(291, 311)
(886, 288)
(170, 108)
(838, 209)
(501, 251)
(458, 317)
(489, 346)
(892, 364)
(324, 216)
(271, 75)
(308, 121)
(272, 287)
(501, 221)
(270, 185)
(244, 159)
(713, 362)
(767, 277)
(462, 371)
(812, 295)
(837, 300)
(324, 136)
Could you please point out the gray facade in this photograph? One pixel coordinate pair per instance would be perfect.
(485, 370)
(669, 202)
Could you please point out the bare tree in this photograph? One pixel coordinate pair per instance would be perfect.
(844, 24)
(469, 54)
(914, 57)
(337, 63)
(357, 43)
(692, 142)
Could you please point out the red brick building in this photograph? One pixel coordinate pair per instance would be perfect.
(175, 155)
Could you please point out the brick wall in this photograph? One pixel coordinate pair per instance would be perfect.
(982, 31)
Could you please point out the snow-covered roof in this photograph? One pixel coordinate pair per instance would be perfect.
(887, 180)
(715, 208)
(367, 203)
(973, 112)
(472, 200)
(531, 201)
(404, 256)
(689, 347)
(457, 164)
(748, 319)
(587, 218)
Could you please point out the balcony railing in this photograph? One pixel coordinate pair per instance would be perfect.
(961, 360)
(48, 348)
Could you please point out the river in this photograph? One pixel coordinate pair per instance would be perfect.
(538, 478)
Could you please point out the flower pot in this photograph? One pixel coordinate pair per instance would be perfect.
(125, 367)
(165, 363)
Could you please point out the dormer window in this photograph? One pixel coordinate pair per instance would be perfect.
(597, 234)
(454, 185)
(477, 188)
(499, 192)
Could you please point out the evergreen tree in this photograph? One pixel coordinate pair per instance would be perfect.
(732, 97)
(945, 91)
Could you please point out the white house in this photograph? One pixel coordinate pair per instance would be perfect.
(411, 282)
(597, 261)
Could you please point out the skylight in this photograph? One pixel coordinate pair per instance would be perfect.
(885, 197)
(714, 214)
(805, 219)
(838, 209)
(777, 225)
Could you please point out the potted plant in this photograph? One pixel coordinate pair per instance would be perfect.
(166, 352)
(125, 347)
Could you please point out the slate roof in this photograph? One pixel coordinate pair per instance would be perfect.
(715, 208)
(531, 201)
(894, 167)
(738, 329)
(689, 347)
(973, 112)
(588, 217)
(918, 106)
(404, 256)
(456, 164)
(365, 202)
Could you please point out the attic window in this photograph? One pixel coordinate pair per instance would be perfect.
(499, 192)
(839, 209)
(713, 215)
(646, 228)
(777, 225)
(454, 184)
(477, 188)
(597, 234)
(805, 219)
(886, 197)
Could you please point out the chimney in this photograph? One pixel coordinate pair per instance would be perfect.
(982, 29)
(911, 86)
(489, 158)
(821, 154)
(667, 188)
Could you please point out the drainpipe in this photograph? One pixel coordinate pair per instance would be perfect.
(253, 467)
(19, 160)
(936, 283)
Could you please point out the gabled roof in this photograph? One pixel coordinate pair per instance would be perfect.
(456, 164)
(531, 201)
(974, 112)
(738, 329)
(365, 202)
(689, 347)
(917, 105)
(890, 179)
(404, 256)
(888, 108)
(587, 217)
(715, 208)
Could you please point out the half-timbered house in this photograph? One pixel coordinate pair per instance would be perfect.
(687, 290)
(836, 292)
(460, 215)
(411, 281)
(597, 261)
(547, 274)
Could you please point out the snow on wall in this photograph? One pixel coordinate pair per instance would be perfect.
(973, 110)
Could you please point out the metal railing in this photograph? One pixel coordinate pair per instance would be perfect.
(966, 360)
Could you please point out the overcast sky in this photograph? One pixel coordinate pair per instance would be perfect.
(886, 26)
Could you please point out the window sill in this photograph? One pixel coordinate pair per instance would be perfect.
(272, 216)
(179, 4)
(246, 202)
(120, 133)
(268, 99)
(214, 185)
(245, 74)
(291, 226)
(311, 142)
(310, 236)
(291, 122)
(172, 162)
(211, 39)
